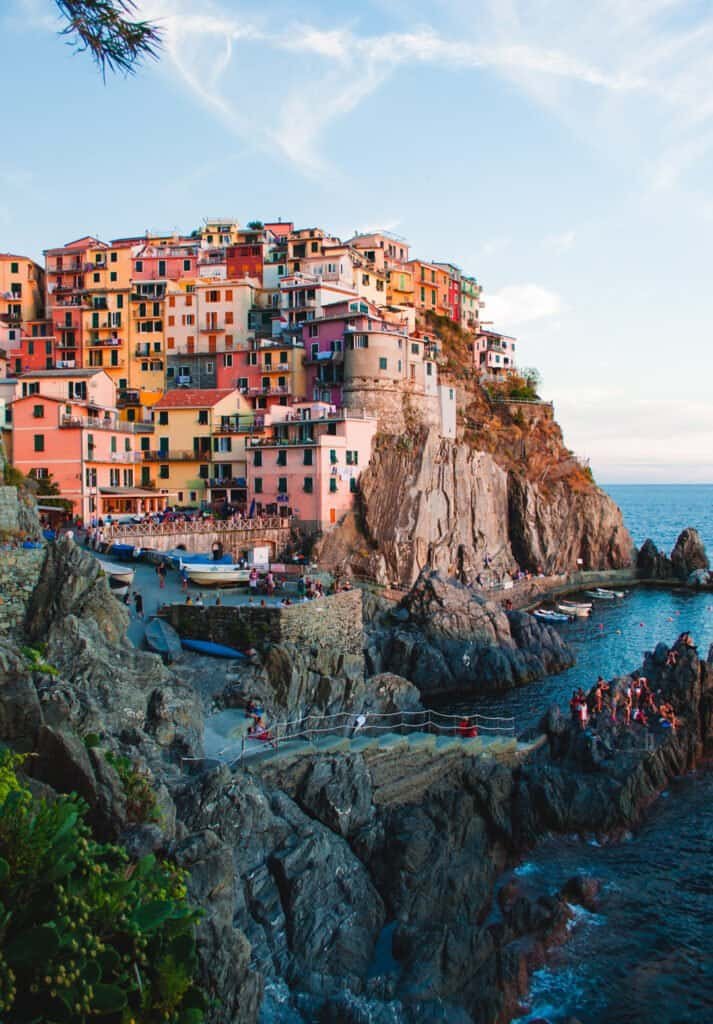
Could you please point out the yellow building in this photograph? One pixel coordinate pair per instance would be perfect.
(192, 444)
(22, 285)
(399, 286)
(105, 313)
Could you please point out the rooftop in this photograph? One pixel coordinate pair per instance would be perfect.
(190, 398)
(89, 372)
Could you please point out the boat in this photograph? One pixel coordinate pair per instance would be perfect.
(574, 609)
(550, 616)
(604, 595)
(123, 574)
(216, 575)
(163, 639)
(177, 557)
(208, 647)
(126, 552)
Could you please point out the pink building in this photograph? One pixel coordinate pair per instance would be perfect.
(311, 463)
(65, 424)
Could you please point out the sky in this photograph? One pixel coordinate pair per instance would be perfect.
(563, 156)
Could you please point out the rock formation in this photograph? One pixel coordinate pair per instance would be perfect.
(430, 502)
(446, 638)
(687, 563)
(339, 886)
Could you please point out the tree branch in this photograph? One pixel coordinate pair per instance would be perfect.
(109, 32)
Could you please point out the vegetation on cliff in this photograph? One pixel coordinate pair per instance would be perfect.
(83, 931)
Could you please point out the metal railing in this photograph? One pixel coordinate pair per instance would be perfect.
(128, 530)
(351, 725)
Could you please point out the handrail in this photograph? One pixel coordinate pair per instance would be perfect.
(113, 531)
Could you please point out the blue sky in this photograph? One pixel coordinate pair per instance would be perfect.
(564, 158)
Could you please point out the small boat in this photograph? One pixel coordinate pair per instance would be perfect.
(163, 639)
(216, 575)
(575, 609)
(123, 574)
(177, 557)
(126, 552)
(604, 595)
(550, 616)
(208, 647)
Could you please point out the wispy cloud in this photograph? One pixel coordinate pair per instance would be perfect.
(560, 243)
(519, 304)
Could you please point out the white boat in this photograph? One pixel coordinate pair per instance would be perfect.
(604, 595)
(216, 575)
(575, 609)
(550, 616)
(122, 573)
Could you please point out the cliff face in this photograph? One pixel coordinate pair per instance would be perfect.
(427, 501)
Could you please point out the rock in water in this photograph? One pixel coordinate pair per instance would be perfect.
(689, 554)
(653, 564)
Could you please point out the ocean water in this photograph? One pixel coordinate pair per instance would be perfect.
(661, 511)
(647, 954)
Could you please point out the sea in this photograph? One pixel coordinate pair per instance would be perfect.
(646, 955)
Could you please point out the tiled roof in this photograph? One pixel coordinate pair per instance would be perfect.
(192, 398)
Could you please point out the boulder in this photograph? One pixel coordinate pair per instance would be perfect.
(653, 564)
(688, 554)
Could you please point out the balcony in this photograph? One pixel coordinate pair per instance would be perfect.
(282, 442)
(124, 457)
(276, 389)
(71, 267)
(67, 344)
(143, 349)
(173, 455)
(125, 398)
(246, 426)
(94, 423)
(105, 343)
(99, 265)
(215, 329)
(225, 481)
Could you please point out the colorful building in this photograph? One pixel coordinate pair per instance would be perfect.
(431, 288)
(65, 425)
(494, 354)
(186, 422)
(309, 465)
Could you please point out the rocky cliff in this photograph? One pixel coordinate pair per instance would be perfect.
(431, 502)
(344, 886)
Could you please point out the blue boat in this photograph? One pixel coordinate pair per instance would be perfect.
(176, 555)
(208, 647)
(124, 552)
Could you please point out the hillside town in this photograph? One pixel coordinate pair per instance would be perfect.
(239, 370)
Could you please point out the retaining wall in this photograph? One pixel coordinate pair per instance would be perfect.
(334, 621)
(19, 572)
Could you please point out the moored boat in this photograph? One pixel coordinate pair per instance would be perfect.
(575, 609)
(600, 594)
(163, 639)
(208, 647)
(548, 615)
(215, 575)
(121, 573)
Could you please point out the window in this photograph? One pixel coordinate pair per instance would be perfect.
(307, 460)
(282, 485)
(38, 411)
(282, 458)
(96, 277)
(332, 484)
(333, 456)
(139, 265)
(163, 472)
(308, 485)
(203, 417)
(203, 471)
(163, 418)
(429, 369)
(161, 268)
(352, 458)
(128, 478)
(257, 458)
(353, 484)
(382, 362)
(313, 331)
(228, 359)
(112, 275)
(14, 268)
(113, 444)
(257, 485)
(113, 257)
(127, 444)
(186, 264)
(415, 348)
(114, 477)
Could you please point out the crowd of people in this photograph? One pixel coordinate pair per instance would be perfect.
(633, 703)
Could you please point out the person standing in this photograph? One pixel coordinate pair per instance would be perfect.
(161, 573)
(139, 604)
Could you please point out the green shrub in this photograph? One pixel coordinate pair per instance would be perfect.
(35, 657)
(140, 797)
(13, 477)
(84, 933)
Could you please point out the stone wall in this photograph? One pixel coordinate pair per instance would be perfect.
(334, 621)
(19, 572)
(234, 541)
(9, 510)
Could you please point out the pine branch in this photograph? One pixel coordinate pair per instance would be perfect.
(107, 30)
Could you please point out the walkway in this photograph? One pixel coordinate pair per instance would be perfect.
(425, 730)
(199, 535)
